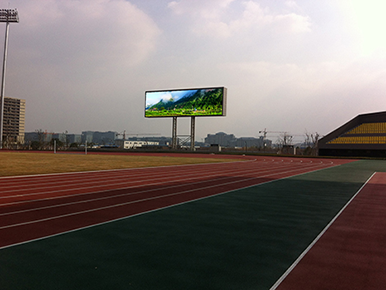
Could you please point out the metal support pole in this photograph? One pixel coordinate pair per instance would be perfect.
(174, 133)
(192, 131)
(3, 85)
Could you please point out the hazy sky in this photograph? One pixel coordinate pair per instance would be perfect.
(290, 66)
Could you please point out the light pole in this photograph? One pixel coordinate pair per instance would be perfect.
(7, 16)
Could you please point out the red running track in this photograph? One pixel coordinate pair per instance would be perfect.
(351, 254)
(34, 207)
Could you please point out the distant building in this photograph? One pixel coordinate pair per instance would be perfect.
(74, 138)
(96, 137)
(67, 138)
(252, 142)
(59, 136)
(45, 137)
(101, 138)
(165, 141)
(30, 136)
(229, 140)
(87, 136)
(221, 139)
(13, 121)
(125, 144)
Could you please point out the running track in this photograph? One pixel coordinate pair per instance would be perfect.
(351, 253)
(35, 207)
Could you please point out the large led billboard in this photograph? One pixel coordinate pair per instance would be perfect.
(185, 102)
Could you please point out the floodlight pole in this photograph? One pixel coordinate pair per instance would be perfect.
(3, 84)
(7, 16)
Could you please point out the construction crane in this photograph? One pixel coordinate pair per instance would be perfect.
(123, 134)
(265, 133)
(286, 138)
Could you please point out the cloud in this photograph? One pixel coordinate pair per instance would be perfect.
(292, 23)
(85, 65)
(202, 8)
(77, 58)
(214, 19)
(262, 18)
(314, 96)
(292, 4)
(96, 34)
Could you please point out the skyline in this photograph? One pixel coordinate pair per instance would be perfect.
(289, 66)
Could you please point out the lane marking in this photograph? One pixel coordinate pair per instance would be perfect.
(119, 188)
(91, 180)
(95, 176)
(121, 204)
(154, 210)
(289, 270)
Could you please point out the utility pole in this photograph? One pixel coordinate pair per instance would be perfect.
(7, 16)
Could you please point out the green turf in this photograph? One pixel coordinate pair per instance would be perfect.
(244, 239)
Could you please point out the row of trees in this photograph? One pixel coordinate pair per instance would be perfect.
(310, 145)
(60, 145)
(43, 144)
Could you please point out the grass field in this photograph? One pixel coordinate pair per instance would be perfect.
(17, 163)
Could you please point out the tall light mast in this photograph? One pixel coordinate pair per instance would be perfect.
(7, 16)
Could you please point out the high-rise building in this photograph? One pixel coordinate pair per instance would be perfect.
(13, 121)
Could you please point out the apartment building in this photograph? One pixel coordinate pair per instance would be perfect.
(13, 121)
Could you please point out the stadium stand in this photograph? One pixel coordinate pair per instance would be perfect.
(365, 135)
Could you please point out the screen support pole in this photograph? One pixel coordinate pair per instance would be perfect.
(174, 133)
(192, 130)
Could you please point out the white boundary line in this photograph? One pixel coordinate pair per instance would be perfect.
(294, 264)
(158, 209)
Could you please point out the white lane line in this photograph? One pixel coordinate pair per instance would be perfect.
(289, 270)
(91, 178)
(43, 184)
(118, 188)
(105, 197)
(97, 180)
(150, 211)
(117, 205)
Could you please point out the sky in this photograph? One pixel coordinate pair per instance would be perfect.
(289, 66)
(155, 97)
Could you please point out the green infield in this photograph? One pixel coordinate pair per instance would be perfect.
(244, 239)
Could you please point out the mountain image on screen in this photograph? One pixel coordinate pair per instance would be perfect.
(203, 102)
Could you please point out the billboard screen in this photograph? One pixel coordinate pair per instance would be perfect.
(185, 102)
